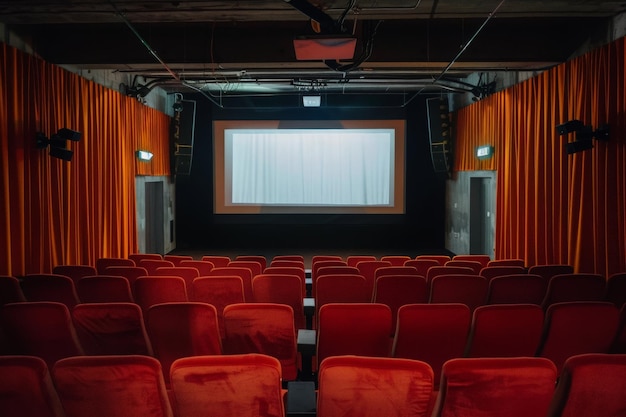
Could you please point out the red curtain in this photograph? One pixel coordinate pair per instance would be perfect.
(57, 212)
(553, 207)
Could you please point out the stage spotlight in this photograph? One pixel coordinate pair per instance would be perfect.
(57, 143)
(584, 135)
(178, 103)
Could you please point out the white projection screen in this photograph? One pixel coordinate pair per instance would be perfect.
(315, 167)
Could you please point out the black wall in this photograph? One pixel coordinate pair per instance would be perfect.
(420, 228)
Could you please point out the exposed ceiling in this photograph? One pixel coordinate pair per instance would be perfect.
(246, 47)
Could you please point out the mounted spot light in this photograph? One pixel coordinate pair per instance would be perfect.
(57, 143)
(584, 135)
(178, 103)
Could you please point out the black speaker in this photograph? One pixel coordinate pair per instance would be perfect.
(439, 134)
(182, 135)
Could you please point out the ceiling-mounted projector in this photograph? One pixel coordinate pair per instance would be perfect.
(324, 47)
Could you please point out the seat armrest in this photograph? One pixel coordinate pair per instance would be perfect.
(301, 398)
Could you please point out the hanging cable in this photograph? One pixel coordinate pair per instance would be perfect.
(143, 41)
(438, 78)
(469, 42)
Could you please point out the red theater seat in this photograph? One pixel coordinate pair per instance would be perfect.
(341, 288)
(50, 287)
(289, 270)
(256, 258)
(177, 259)
(591, 385)
(262, 328)
(616, 289)
(244, 273)
(368, 270)
(219, 291)
(153, 290)
(482, 259)
(495, 387)
(422, 265)
(374, 387)
(113, 385)
(548, 271)
(490, 272)
(255, 267)
(40, 328)
(10, 290)
(361, 329)
(395, 260)
(186, 273)
(76, 272)
(470, 290)
(473, 265)
(26, 388)
(505, 330)
(227, 385)
(578, 327)
(218, 261)
(179, 330)
(331, 270)
(103, 263)
(104, 289)
(398, 290)
(507, 262)
(151, 265)
(433, 333)
(131, 273)
(204, 267)
(111, 329)
(517, 289)
(139, 256)
(435, 271)
(395, 270)
(441, 259)
(353, 260)
(281, 289)
(575, 287)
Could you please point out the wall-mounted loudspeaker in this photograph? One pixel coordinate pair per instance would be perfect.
(182, 134)
(439, 134)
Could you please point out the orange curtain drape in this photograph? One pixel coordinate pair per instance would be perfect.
(553, 207)
(56, 212)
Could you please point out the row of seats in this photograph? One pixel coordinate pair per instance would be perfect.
(401, 282)
(403, 287)
(594, 287)
(436, 333)
(591, 385)
(433, 333)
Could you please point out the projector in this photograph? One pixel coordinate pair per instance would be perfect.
(322, 47)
